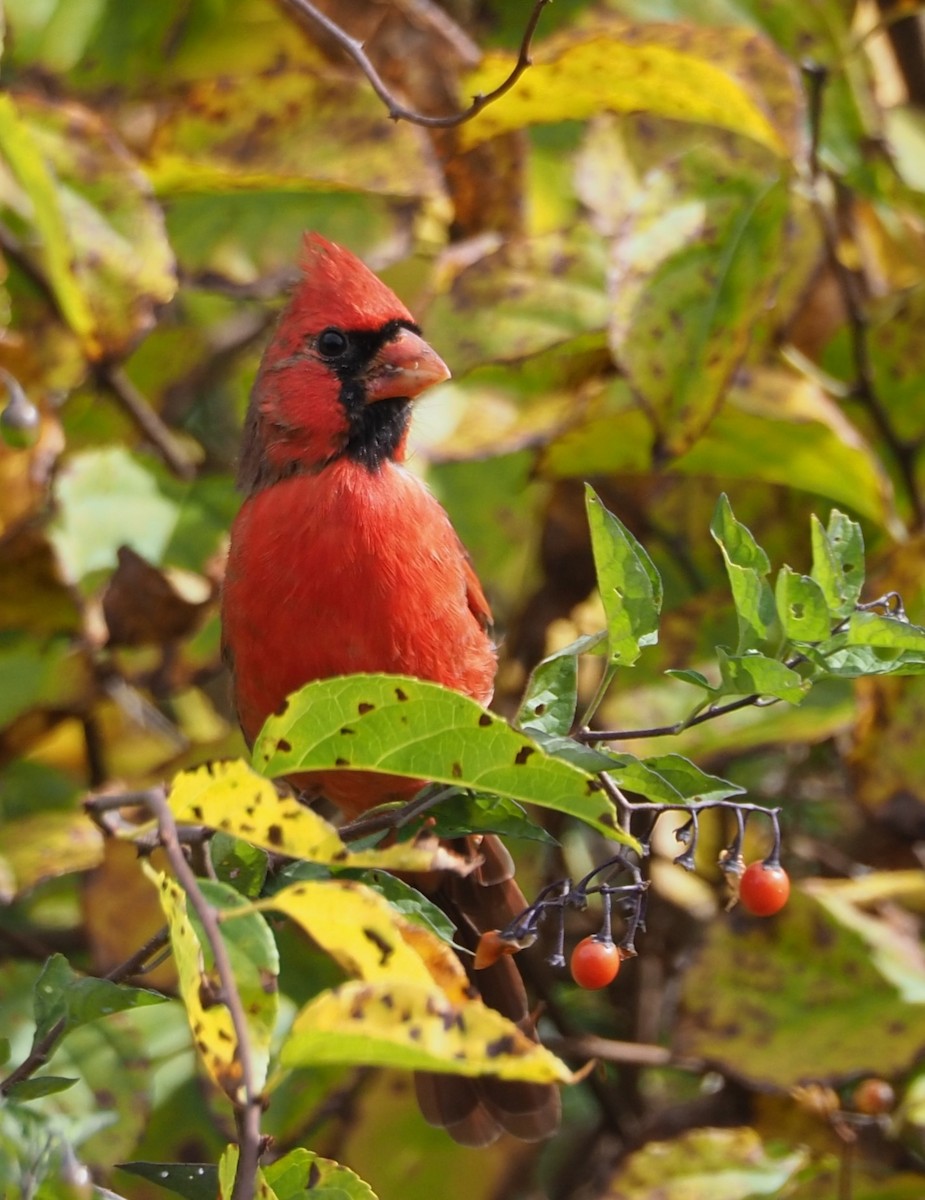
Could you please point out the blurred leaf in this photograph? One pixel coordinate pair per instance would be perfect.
(805, 441)
(676, 71)
(838, 561)
(40, 673)
(63, 995)
(690, 276)
(885, 633)
(407, 1025)
(726, 1164)
(404, 726)
(109, 498)
(629, 585)
(238, 864)
(522, 298)
(103, 242)
(769, 996)
(801, 607)
(38, 1086)
(192, 1181)
(301, 1171)
(47, 845)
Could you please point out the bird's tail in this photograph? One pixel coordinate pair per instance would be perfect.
(476, 1111)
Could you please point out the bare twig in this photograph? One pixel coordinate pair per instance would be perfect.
(396, 110)
(114, 379)
(628, 1053)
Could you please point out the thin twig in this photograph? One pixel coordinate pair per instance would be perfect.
(131, 401)
(629, 1053)
(397, 111)
(709, 714)
(42, 1050)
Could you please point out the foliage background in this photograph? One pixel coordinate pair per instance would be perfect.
(652, 265)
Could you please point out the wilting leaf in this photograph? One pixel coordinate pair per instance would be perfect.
(414, 1027)
(233, 798)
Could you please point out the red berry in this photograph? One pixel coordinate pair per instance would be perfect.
(594, 963)
(874, 1097)
(764, 889)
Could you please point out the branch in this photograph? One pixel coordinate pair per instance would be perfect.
(248, 1113)
(397, 111)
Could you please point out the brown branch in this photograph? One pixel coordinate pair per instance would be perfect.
(132, 402)
(629, 1053)
(397, 111)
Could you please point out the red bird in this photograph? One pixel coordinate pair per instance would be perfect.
(341, 561)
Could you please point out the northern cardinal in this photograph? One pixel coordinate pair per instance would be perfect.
(342, 561)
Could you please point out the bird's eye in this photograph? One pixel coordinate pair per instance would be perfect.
(332, 343)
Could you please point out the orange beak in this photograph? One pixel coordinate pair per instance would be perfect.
(404, 367)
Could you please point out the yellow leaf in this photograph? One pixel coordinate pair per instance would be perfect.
(232, 797)
(409, 1025)
(370, 940)
(673, 70)
(210, 1021)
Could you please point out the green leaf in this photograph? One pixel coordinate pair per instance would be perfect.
(885, 633)
(474, 812)
(403, 726)
(747, 566)
(838, 561)
(695, 678)
(551, 697)
(746, 998)
(668, 779)
(801, 607)
(60, 994)
(689, 781)
(39, 1086)
(724, 1164)
(753, 672)
(630, 587)
(302, 1173)
(695, 261)
(192, 1181)
(238, 863)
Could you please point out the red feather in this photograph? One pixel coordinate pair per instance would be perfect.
(341, 561)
